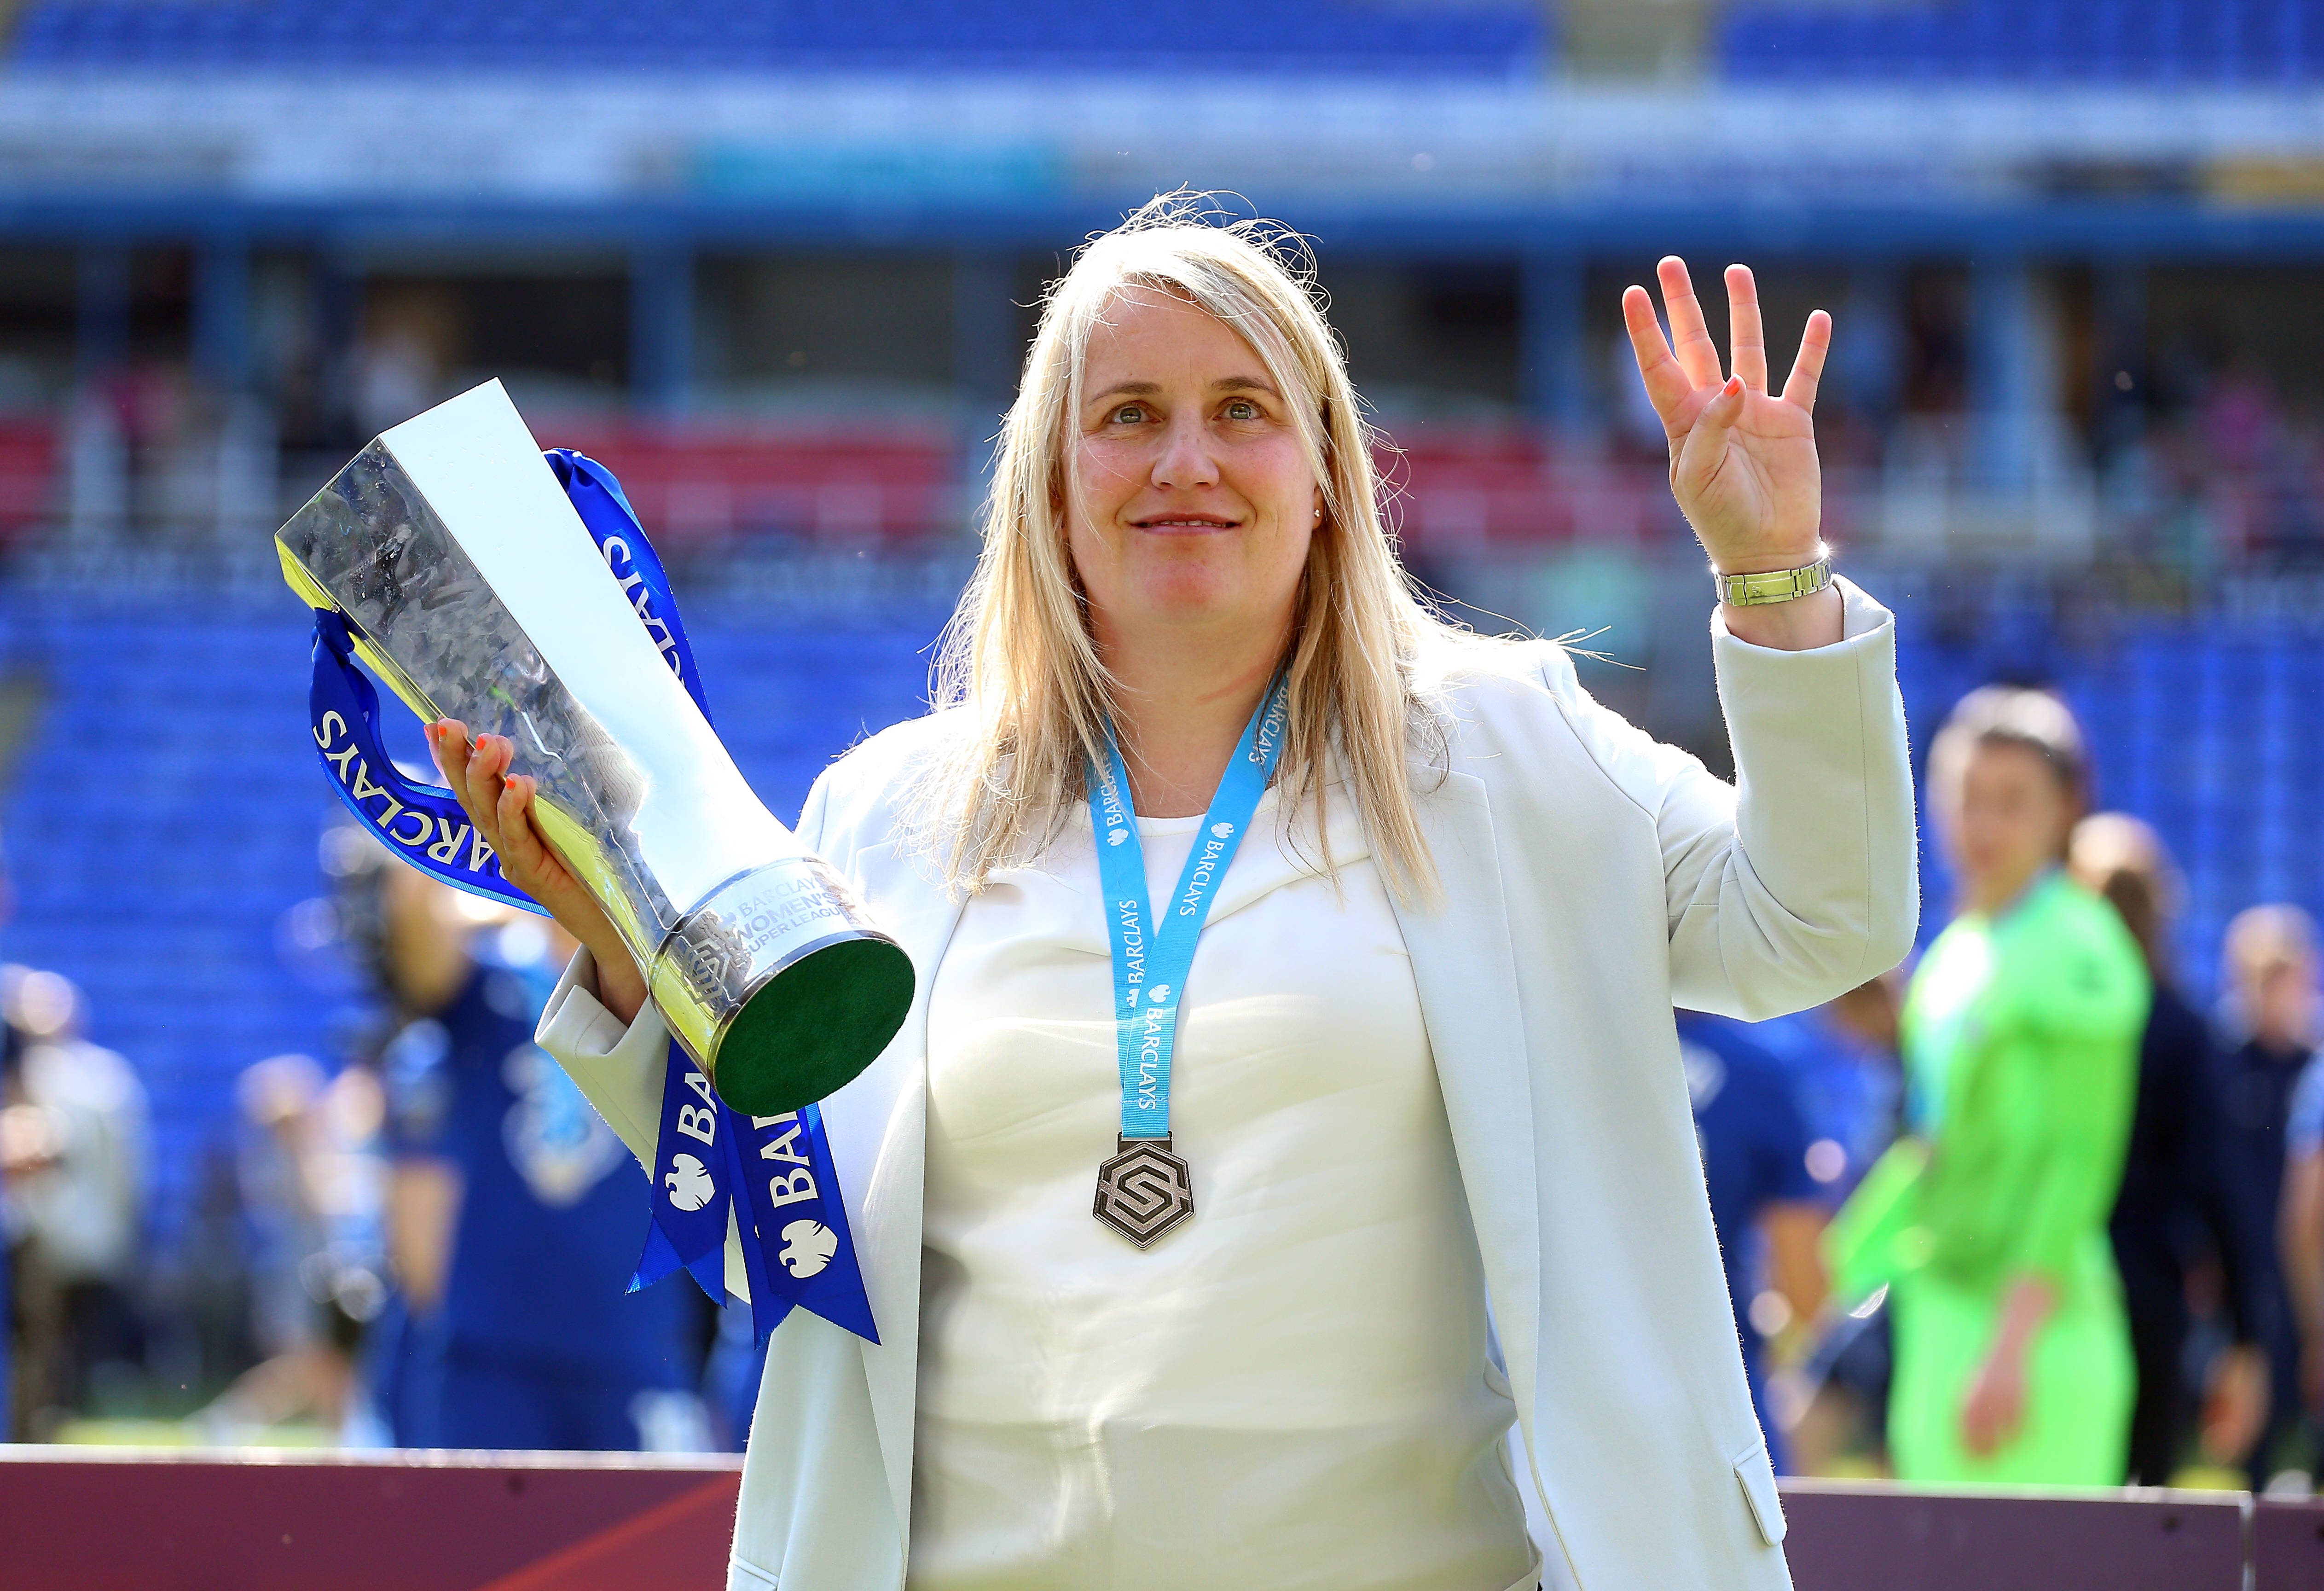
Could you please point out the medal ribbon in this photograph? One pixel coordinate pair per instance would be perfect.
(773, 1175)
(1152, 955)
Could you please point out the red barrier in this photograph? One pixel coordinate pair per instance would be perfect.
(101, 1519)
(1876, 1536)
(109, 1519)
(2287, 1545)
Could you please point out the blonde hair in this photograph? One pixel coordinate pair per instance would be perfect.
(1018, 657)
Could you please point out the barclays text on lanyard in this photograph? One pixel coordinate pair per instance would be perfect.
(771, 1178)
(1146, 1190)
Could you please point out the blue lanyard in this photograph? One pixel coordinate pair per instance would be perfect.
(1151, 959)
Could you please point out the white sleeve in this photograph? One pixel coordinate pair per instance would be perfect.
(1800, 881)
(1817, 886)
(621, 1070)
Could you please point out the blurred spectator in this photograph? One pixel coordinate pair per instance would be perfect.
(1764, 1200)
(1834, 1405)
(515, 1214)
(73, 1146)
(2270, 984)
(1987, 1221)
(2174, 1209)
(2302, 1231)
(311, 1186)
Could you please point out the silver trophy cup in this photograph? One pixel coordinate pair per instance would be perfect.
(469, 583)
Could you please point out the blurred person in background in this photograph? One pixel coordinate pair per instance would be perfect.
(73, 1146)
(2270, 979)
(1833, 1403)
(311, 1173)
(515, 1216)
(2302, 1235)
(1764, 1200)
(2174, 1210)
(2301, 1231)
(1987, 1221)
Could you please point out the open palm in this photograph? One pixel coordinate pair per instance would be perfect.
(1743, 462)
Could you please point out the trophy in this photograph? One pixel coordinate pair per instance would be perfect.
(467, 581)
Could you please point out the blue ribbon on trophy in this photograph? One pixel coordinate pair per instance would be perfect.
(423, 823)
(797, 1251)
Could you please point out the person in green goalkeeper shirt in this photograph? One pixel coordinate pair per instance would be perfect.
(1987, 1220)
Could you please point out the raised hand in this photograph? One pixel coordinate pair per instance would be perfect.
(1742, 461)
(501, 806)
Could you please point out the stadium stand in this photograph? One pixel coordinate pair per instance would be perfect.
(28, 469)
(160, 826)
(1464, 490)
(1292, 36)
(2180, 43)
(170, 766)
(706, 483)
(2200, 727)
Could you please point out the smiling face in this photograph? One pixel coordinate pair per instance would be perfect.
(1195, 502)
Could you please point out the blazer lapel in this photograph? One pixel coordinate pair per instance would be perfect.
(1466, 973)
(878, 1131)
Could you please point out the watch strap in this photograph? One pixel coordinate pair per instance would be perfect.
(1774, 585)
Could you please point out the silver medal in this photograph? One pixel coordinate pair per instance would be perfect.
(1144, 1191)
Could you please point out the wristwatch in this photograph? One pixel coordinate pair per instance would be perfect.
(1774, 585)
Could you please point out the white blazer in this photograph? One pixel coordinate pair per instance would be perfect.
(1593, 879)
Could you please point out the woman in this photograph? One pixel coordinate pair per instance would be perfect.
(1427, 1091)
(2020, 1037)
(2172, 1186)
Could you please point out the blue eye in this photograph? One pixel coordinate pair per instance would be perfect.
(1128, 414)
(1242, 409)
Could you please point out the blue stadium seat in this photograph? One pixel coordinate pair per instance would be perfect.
(156, 873)
(2201, 732)
(2156, 42)
(1497, 39)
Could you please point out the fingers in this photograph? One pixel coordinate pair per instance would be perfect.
(488, 762)
(500, 804)
(1748, 340)
(1698, 356)
(1666, 384)
(1705, 448)
(1807, 370)
(447, 741)
(473, 772)
(516, 840)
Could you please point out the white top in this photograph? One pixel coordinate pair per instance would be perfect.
(1289, 1390)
